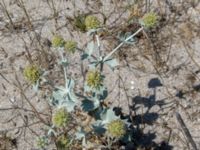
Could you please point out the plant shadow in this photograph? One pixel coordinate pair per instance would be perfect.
(145, 140)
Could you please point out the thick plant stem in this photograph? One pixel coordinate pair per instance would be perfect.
(99, 50)
(98, 44)
(114, 50)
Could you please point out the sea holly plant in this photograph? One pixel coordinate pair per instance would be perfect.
(64, 96)
(35, 75)
(58, 41)
(42, 142)
(149, 20)
(94, 57)
(102, 125)
(70, 46)
(61, 117)
(92, 24)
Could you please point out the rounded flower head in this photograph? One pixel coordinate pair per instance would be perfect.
(61, 118)
(70, 46)
(149, 20)
(58, 41)
(94, 79)
(92, 22)
(116, 128)
(42, 142)
(63, 142)
(32, 73)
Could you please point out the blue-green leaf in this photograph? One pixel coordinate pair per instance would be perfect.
(89, 105)
(91, 47)
(123, 36)
(91, 32)
(69, 105)
(99, 127)
(108, 115)
(84, 56)
(36, 86)
(112, 63)
(80, 134)
(65, 96)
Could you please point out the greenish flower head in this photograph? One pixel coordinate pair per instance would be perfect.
(32, 73)
(42, 142)
(94, 79)
(61, 118)
(58, 41)
(116, 128)
(79, 22)
(92, 22)
(63, 142)
(70, 46)
(149, 20)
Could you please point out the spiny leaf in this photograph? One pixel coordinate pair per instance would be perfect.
(108, 115)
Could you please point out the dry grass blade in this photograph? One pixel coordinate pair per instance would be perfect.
(186, 131)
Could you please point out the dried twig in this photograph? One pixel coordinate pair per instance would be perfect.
(186, 131)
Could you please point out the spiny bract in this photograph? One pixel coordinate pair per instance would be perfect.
(61, 118)
(92, 22)
(94, 79)
(149, 20)
(58, 41)
(79, 22)
(32, 73)
(70, 46)
(116, 128)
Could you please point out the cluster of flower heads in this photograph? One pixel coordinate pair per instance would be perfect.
(116, 128)
(86, 22)
(94, 79)
(32, 73)
(149, 20)
(69, 46)
(58, 41)
(61, 118)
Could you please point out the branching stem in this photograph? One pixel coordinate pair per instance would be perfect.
(114, 50)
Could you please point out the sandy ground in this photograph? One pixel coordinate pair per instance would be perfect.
(149, 82)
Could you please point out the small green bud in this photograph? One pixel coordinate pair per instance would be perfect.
(42, 142)
(92, 22)
(71, 46)
(149, 20)
(61, 118)
(116, 128)
(32, 73)
(94, 79)
(58, 41)
(63, 142)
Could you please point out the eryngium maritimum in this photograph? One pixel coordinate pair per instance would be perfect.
(94, 79)
(116, 128)
(92, 22)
